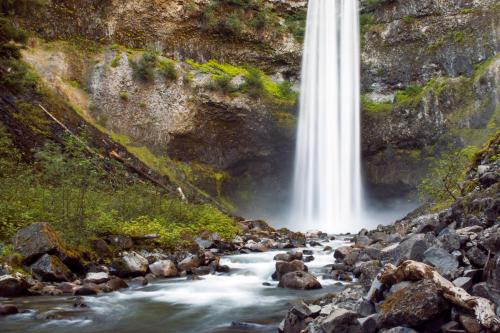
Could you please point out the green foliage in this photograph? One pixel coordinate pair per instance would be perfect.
(116, 61)
(20, 7)
(366, 20)
(144, 68)
(76, 192)
(375, 107)
(254, 82)
(445, 181)
(167, 69)
(296, 24)
(124, 95)
(233, 24)
(223, 82)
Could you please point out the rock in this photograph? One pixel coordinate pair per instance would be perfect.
(340, 321)
(266, 284)
(399, 329)
(116, 284)
(488, 179)
(366, 272)
(36, 240)
(351, 258)
(327, 249)
(307, 252)
(314, 243)
(189, 263)
(121, 242)
(449, 240)
(203, 270)
(12, 285)
(299, 280)
(412, 248)
(365, 307)
(102, 248)
(86, 290)
(96, 278)
(130, 265)
(413, 305)
(51, 269)
(470, 324)
(163, 268)
(308, 259)
(79, 302)
(67, 287)
(451, 327)
(8, 309)
(283, 267)
(223, 269)
(445, 263)
(362, 241)
(342, 251)
(477, 257)
(256, 247)
(428, 223)
(289, 256)
(368, 324)
(463, 282)
(482, 289)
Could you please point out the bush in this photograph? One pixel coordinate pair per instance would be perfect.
(233, 24)
(124, 95)
(167, 69)
(144, 68)
(223, 83)
(254, 82)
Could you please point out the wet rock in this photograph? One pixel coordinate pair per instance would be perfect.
(163, 268)
(362, 241)
(203, 270)
(308, 252)
(189, 263)
(193, 278)
(289, 256)
(399, 329)
(86, 290)
(51, 269)
(78, 302)
(266, 284)
(8, 309)
(366, 272)
(121, 242)
(413, 305)
(445, 263)
(116, 284)
(327, 249)
(99, 277)
(67, 287)
(352, 257)
(308, 259)
(364, 307)
(283, 267)
(256, 247)
(340, 321)
(36, 240)
(130, 265)
(314, 243)
(12, 285)
(299, 280)
(223, 269)
(338, 275)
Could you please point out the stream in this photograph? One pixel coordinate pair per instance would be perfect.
(229, 302)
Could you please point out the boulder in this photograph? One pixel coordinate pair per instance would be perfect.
(50, 268)
(120, 242)
(289, 256)
(283, 267)
(308, 258)
(256, 247)
(67, 287)
(413, 305)
(299, 280)
(35, 240)
(368, 324)
(12, 285)
(366, 272)
(189, 263)
(163, 268)
(342, 251)
(8, 309)
(477, 257)
(412, 248)
(130, 264)
(470, 323)
(102, 248)
(445, 263)
(463, 282)
(203, 270)
(87, 290)
(399, 329)
(340, 321)
(116, 284)
(449, 240)
(99, 277)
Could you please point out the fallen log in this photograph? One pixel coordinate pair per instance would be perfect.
(410, 270)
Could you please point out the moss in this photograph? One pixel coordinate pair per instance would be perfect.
(124, 95)
(365, 21)
(373, 107)
(467, 11)
(116, 61)
(481, 68)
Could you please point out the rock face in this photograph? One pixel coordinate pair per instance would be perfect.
(50, 268)
(299, 280)
(412, 305)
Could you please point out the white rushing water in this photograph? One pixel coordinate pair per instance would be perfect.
(327, 183)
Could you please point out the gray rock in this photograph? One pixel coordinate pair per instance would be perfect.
(120, 242)
(203, 270)
(131, 264)
(8, 309)
(366, 272)
(398, 329)
(340, 321)
(445, 263)
(449, 239)
(299, 280)
(451, 327)
(86, 290)
(116, 284)
(484, 290)
(189, 263)
(342, 251)
(477, 257)
(51, 269)
(163, 268)
(364, 307)
(412, 248)
(463, 282)
(97, 278)
(289, 256)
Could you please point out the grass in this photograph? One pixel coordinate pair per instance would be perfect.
(374, 107)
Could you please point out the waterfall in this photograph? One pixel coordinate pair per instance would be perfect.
(327, 181)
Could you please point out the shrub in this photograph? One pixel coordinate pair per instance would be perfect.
(223, 82)
(144, 68)
(253, 81)
(167, 69)
(124, 95)
(233, 24)
(116, 61)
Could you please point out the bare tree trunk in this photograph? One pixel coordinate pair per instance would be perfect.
(483, 309)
